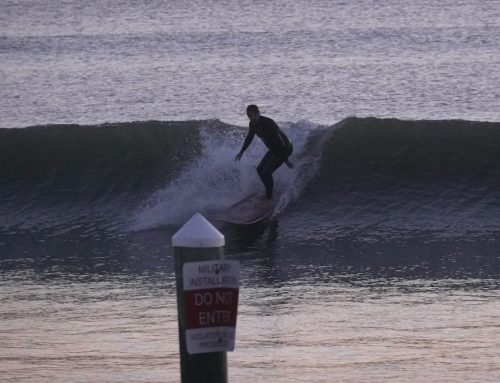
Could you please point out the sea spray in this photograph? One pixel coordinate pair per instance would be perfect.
(215, 180)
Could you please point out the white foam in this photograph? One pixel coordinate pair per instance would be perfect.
(216, 180)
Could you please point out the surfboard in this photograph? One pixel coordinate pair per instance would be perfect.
(248, 211)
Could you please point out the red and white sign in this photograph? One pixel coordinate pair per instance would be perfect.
(211, 299)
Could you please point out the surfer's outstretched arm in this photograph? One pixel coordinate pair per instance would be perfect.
(246, 144)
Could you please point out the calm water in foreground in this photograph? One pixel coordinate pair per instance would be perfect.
(299, 321)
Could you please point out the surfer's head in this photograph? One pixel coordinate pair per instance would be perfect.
(253, 112)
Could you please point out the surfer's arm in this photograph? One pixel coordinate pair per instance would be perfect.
(281, 148)
(277, 143)
(246, 143)
(277, 133)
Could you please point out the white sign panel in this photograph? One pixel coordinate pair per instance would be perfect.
(211, 300)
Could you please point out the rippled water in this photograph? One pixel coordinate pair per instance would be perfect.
(316, 326)
(318, 60)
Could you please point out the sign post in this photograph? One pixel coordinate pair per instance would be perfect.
(207, 301)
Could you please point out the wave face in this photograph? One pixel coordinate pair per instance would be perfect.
(361, 173)
(388, 177)
(52, 175)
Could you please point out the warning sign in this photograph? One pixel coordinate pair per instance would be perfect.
(211, 300)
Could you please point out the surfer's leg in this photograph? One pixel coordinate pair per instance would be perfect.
(262, 175)
(267, 166)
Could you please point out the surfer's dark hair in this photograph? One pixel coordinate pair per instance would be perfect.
(253, 109)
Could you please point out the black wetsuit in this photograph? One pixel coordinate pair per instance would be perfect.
(279, 147)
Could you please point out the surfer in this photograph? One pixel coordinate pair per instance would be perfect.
(280, 147)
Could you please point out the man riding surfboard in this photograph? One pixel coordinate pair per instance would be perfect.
(278, 145)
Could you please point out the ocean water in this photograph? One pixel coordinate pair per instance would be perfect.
(118, 61)
(119, 120)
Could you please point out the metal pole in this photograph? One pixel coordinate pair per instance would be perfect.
(197, 241)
